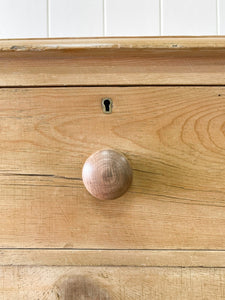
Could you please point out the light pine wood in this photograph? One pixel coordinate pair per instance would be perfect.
(114, 283)
(133, 258)
(113, 61)
(107, 174)
(165, 237)
(172, 136)
(167, 42)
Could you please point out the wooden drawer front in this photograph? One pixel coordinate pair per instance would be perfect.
(110, 283)
(172, 136)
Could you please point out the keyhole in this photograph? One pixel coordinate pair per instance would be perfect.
(107, 105)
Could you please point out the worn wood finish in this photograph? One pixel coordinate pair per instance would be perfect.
(134, 258)
(164, 238)
(114, 283)
(167, 42)
(113, 61)
(107, 174)
(173, 137)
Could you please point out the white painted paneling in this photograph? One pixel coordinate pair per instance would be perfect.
(189, 17)
(75, 18)
(132, 17)
(88, 18)
(23, 18)
(221, 17)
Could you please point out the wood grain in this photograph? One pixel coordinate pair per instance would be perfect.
(113, 61)
(107, 174)
(117, 283)
(172, 136)
(123, 258)
(166, 42)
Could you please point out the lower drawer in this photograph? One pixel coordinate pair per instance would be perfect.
(114, 283)
(174, 138)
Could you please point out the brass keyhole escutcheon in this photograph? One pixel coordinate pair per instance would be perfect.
(107, 105)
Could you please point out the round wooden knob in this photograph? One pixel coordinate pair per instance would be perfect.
(107, 174)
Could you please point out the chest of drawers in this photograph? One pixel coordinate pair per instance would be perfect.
(164, 237)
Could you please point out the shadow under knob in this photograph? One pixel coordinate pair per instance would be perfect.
(107, 174)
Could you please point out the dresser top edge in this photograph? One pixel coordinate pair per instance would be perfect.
(169, 42)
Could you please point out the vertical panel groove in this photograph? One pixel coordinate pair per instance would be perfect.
(160, 17)
(47, 16)
(218, 16)
(104, 17)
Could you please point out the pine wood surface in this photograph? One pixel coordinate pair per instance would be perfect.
(172, 136)
(163, 42)
(113, 258)
(164, 238)
(101, 283)
(113, 61)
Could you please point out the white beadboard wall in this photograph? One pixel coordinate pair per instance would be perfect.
(96, 18)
